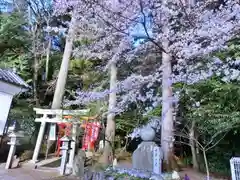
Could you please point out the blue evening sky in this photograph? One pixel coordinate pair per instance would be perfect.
(138, 31)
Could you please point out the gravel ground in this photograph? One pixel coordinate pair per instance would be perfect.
(194, 175)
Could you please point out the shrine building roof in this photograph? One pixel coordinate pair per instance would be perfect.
(9, 76)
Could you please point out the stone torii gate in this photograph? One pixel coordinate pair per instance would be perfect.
(57, 116)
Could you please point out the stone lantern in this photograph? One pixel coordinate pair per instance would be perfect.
(14, 141)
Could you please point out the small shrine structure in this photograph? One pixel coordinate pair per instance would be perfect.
(10, 85)
(74, 118)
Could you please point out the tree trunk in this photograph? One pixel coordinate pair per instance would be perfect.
(62, 75)
(197, 148)
(34, 136)
(206, 164)
(110, 128)
(35, 64)
(167, 111)
(193, 147)
(47, 58)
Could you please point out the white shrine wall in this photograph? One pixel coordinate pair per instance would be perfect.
(7, 91)
(5, 104)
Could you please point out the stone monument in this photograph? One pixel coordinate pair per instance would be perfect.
(148, 156)
(78, 164)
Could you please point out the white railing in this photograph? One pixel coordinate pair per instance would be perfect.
(235, 168)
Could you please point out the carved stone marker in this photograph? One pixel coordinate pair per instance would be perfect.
(78, 164)
(142, 158)
(157, 160)
(148, 156)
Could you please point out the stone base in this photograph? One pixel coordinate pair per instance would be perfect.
(143, 158)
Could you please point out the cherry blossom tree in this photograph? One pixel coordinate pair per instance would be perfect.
(181, 35)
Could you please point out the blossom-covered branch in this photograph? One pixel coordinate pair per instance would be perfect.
(193, 31)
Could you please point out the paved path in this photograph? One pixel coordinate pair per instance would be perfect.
(27, 174)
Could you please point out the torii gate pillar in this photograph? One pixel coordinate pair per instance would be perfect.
(39, 142)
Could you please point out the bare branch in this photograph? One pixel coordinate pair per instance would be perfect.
(215, 142)
(187, 137)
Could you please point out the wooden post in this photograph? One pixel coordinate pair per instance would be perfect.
(64, 148)
(13, 143)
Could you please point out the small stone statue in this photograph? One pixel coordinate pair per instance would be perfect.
(78, 164)
(15, 162)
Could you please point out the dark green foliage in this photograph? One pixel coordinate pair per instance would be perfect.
(14, 44)
(218, 114)
(13, 34)
(22, 112)
(219, 105)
